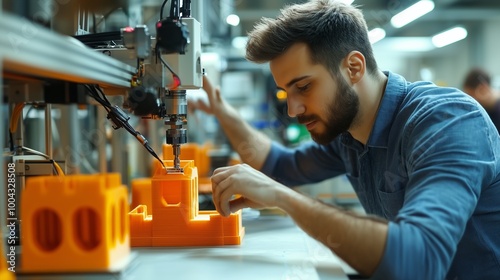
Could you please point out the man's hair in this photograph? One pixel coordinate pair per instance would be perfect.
(331, 30)
(476, 77)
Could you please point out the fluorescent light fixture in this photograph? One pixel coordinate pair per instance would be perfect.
(376, 34)
(233, 20)
(449, 36)
(406, 45)
(412, 13)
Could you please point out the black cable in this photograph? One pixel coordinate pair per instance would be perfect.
(94, 27)
(92, 92)
(161, 9)
(29, 110)
(11, 138)
(174, 9)
(98, 89)
(119, 118)
(186, 8)
(177, 79)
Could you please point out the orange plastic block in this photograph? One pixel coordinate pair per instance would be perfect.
(177, 221)
(141, 193)
(5, 274)
(75, 223)
(204, 183)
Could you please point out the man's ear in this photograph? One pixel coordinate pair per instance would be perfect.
(355, 64)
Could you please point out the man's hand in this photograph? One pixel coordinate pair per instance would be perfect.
(209, 103)
(256, 190)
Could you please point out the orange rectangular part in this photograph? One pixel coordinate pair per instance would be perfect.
(75, 223)
(176, 218)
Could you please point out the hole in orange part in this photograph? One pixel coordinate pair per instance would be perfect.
(87, 228)
(47, 229)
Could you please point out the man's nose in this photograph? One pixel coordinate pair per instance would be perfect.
(295, 107)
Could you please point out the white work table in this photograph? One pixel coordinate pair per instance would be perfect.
(273, 248)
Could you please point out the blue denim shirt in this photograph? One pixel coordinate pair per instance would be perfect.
(431, 168)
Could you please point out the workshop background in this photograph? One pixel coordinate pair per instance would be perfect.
(408, 50)
(69, 131)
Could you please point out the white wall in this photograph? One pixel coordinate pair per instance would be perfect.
(491, 53)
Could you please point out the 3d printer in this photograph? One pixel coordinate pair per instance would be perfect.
(167, 65)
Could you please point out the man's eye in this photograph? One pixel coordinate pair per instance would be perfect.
(303, 88)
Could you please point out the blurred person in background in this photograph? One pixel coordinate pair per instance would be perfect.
(477, 83)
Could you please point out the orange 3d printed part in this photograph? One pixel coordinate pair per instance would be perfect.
(177, 221)
(75, 223)
(191, 151)
(200, 155)
(141, 192)
(7, 266)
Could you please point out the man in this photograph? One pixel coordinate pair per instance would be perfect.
(477, 83)
(422, 159)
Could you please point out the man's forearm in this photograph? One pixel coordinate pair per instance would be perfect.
(359, 241)
(251, 145)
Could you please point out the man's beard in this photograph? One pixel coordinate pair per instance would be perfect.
(341, 113)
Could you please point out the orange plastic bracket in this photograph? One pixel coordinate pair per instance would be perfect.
(177, 220)
(75, 223)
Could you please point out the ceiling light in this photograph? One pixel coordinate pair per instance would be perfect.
(376, 34)
(405, 45)
(233, 20)
(449, 36)
(412, 13)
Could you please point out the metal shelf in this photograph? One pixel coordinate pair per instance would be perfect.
(30, 49)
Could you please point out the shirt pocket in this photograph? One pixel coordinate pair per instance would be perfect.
(391, 202)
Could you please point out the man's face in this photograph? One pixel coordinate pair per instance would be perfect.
(327, 106)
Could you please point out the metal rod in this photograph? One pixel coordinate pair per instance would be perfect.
(48, 130)
(101, 145)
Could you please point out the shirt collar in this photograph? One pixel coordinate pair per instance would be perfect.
(394, 93)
